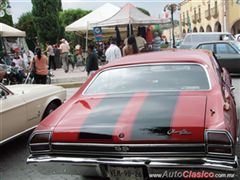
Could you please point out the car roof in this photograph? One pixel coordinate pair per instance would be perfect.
(204, 33)
(166, 56)
(222, 41)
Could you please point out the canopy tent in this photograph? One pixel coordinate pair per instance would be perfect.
(128, 15)
(8, 31)
(100, 14)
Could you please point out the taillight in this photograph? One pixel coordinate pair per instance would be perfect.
(40, 141)
(219, 142)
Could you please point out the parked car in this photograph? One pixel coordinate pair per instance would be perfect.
(192, 39)
(227, 53)
(143, 114)
(22, 107)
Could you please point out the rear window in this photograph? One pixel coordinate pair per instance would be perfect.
(147, 78)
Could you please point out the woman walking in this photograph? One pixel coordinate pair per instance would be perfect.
(40, 63)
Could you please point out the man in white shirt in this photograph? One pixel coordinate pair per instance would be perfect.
(64, 50)
(141, 43)
(113, 52)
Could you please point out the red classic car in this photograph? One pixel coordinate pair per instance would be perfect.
(145, 115)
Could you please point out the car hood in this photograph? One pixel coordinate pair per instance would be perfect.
(135, 118)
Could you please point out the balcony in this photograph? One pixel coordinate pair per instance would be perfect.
(214, 12)
(194, 19)
(208, 14)
(198, 17)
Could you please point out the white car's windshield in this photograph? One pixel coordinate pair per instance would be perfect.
(147, 78)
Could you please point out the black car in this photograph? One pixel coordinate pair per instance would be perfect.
(227, 53)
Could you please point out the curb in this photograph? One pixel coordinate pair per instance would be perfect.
(70, 84)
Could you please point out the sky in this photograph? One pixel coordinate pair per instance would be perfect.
(155, 7)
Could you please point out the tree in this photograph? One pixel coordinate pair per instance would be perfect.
(67, 17)
(25, 23)
(172, 8)
(46, 20)
(144, 11)
(5, 9)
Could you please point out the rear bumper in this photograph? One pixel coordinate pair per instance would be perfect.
(151, 165)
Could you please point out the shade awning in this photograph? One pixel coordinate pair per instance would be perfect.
(129, 14)
(102, 13)
(8, 31)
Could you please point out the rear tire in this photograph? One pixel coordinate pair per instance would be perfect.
(50, 108)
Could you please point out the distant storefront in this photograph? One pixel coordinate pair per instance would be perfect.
(210, 16)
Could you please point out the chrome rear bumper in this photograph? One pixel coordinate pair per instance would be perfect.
(152, 165)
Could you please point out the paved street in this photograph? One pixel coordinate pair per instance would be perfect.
(13, 156)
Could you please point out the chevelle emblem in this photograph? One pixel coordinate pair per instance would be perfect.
(180, 132)
(121, 148)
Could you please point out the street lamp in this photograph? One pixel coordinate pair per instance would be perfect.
(172, 8)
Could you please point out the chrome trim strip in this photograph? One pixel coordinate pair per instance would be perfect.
(133, 145)
(175, 162)
(16, 135)
(204, 66)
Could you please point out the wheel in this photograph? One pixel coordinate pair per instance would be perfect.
(50, 108)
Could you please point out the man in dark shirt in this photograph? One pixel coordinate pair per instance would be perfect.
(92, 60)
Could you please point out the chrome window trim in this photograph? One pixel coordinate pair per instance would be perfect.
(151, 64)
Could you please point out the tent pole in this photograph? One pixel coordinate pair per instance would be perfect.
(86, 44)
(130, 30)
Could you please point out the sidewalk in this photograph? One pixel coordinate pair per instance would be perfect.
(71, 79)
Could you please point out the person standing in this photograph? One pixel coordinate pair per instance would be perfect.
(64, 50)
(130, 47)
(156, 43)
(51, 58)
(40, 61)
(113, 52)
(141, 43)
(92, 61)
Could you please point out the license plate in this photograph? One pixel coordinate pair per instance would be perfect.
(125, 173)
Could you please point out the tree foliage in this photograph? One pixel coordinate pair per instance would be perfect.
(25, 23)
(46, 20)
(144, 11)
(67, 17)
(7, 20)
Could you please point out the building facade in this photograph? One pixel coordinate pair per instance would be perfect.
(210, 16)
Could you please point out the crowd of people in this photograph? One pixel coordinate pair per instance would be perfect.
(60, 56)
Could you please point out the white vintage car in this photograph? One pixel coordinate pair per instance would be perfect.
(22, 107)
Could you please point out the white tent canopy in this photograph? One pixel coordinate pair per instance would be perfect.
(129, 14)
(8, 31)
(102, 13)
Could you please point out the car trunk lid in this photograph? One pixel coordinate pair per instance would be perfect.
(135, 118)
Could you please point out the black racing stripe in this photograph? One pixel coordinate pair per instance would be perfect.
(101, 122)
(154, 118)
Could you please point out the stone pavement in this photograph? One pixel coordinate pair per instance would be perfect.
(73, 78)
